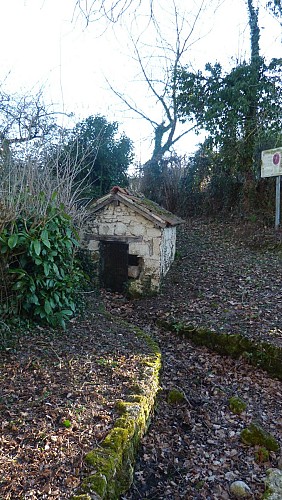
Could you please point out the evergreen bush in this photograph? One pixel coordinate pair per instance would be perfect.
(41, 264)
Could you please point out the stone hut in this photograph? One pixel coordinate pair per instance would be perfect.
(133, 239)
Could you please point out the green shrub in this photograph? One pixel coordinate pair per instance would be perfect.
(237, 405)
(45, 275)
(175, 396)
(262, 455)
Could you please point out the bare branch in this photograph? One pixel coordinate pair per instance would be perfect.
(30, 185)
(111, 10)
(131, 106)
(168, 52)
(24, 118)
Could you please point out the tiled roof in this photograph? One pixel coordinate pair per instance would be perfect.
(150, 210)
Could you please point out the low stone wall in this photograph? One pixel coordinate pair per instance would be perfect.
(262, 354)
(112, 464)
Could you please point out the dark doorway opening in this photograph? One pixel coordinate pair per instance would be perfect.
(113, 265)
(133, 260)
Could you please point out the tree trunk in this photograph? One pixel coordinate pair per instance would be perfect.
(251, 117)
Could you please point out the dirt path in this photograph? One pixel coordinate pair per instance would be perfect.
(193, 449)
(222, 279)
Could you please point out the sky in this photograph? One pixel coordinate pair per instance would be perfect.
(46, 44)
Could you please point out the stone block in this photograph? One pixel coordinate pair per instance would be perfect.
(156, 247)
(153, 232)
(120, 229)
(133, 271)
(141, 249)
(93, 246)
(137, 229)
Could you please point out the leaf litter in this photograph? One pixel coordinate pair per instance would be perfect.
(59, 391)
(222, 279)
(58, 397)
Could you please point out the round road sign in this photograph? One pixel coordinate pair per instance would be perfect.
(276, 159)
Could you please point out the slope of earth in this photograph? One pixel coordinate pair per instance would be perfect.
(228, 279)
(193, 449)
(58, 398)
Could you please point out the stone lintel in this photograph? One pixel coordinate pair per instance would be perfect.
(112, 237)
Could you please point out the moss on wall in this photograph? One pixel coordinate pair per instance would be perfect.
(112, 464)
(254, 435)
(258, 353)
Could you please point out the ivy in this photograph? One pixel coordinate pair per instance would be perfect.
(41, 263)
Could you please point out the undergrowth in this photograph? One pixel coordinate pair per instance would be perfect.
(43, 276)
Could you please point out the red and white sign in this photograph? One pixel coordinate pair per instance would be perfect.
(271, 165)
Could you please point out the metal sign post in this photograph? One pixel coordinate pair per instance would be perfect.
(278, 203)
(272, 167)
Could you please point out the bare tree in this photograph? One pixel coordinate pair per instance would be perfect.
(112, 10)
(158, 64)
(276, 7)
(157, 55)
(29, 186)
(23, 118)
(161, 36)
